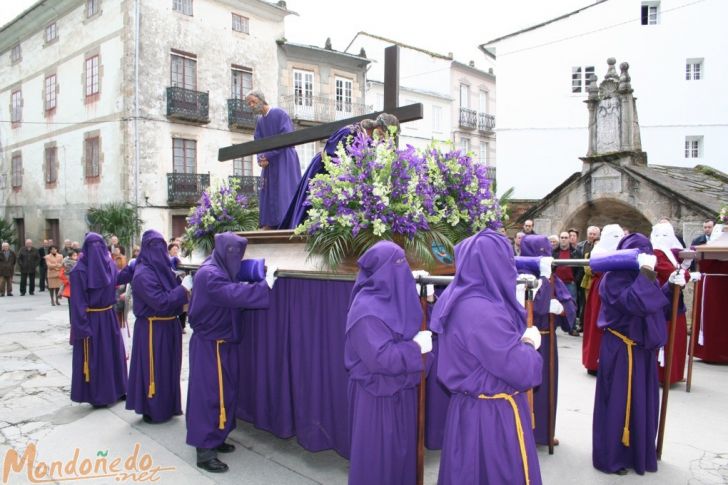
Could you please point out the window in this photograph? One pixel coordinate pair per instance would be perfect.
(92, 7)
(379, 102)
(243, 166)
(343, 98)
(184, 155)
(91, 157)
(465, 145)
(16, 169)
(184, 71)
(51, 33)
(693, 147)
(436, 118)
(303, 93)
(182, 6)
(241, 24)
(650, 13)
(16, 106)
(693, 69)
(15, 54)
(50, 92)
(483, 153)
(306, 152)
(51, 168)
(464, 96)
(581, 78)
(242, 82)
(92, 75)
(483, 101)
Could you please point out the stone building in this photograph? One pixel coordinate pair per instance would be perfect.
(617, 185)
(129, 101)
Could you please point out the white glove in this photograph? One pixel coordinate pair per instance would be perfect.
(556, 307)
(187, 282)
(695, 276)
(423, 338)
(270, 276)
(532, 334)
(544, 266)
(677, 278)
(430, 288)
(647, 260)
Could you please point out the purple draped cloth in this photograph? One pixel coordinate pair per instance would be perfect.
(216, 317)
(480, 324)
(633, 304)
(536, 245)
(280, 178)
(96, 338)
(157, 293)
(384, 368)
(297, 210)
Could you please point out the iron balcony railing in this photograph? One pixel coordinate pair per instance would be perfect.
(249, 185)
(468, 118)
(188, 105)
(321, 108)
(486, 122)
(185, 188)
(490, 173)
(240, 116)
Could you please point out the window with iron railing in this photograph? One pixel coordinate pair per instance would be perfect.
(184, 155)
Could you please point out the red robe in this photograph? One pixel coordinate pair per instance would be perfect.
(664, 269)
(711, 321)
(592, 334)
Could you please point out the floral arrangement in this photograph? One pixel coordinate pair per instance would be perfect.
(220, 210)
(419, 199)
(723, 215)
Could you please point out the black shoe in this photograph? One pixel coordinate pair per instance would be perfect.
(591, 372)
(213, 466)
(225, 448)
(622, 471)
(147, 419)
(99, 406)
(123, 397)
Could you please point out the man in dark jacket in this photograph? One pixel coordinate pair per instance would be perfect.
(28, 260)
(43, 267)
(703, 238)
(7, 266)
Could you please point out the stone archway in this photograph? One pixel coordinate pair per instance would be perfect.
(605, 211)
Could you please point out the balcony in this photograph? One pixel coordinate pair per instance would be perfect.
(184, 189)
(490, 172)
(468, 118)
(249, 185)
(240, 116)
(486, 122)
(188, 105)
(321, 109)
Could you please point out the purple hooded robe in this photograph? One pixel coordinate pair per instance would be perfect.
(384, 367)
(632, 305)
(216, 316)
(157, 293)
(482, 360)
(535, 245)
(280, 178)
(99, 361)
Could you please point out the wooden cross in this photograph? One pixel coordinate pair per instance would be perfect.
(404, 114)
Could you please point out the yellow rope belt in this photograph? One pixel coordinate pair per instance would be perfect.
(152, 386)
(223, 414)
(629, 343)
(86, 344)
(519, 427)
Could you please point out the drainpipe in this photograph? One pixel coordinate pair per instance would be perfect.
(137, 28)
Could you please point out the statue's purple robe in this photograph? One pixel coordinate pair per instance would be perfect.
(536, 245)
(280, 178)
(216, 317)
(94, 279)
(633, 305)
(480, 324)
(157, 293)
(384, 367)
(297, 210)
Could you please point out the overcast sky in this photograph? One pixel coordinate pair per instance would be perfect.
(457, 26)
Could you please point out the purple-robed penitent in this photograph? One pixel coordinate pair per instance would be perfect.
(96, 338)
(633, 305)
(280, 178)
(536, 245)
(216, 316)
(296, 212)
(480, 324)
(157, 293)
(384, 367)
